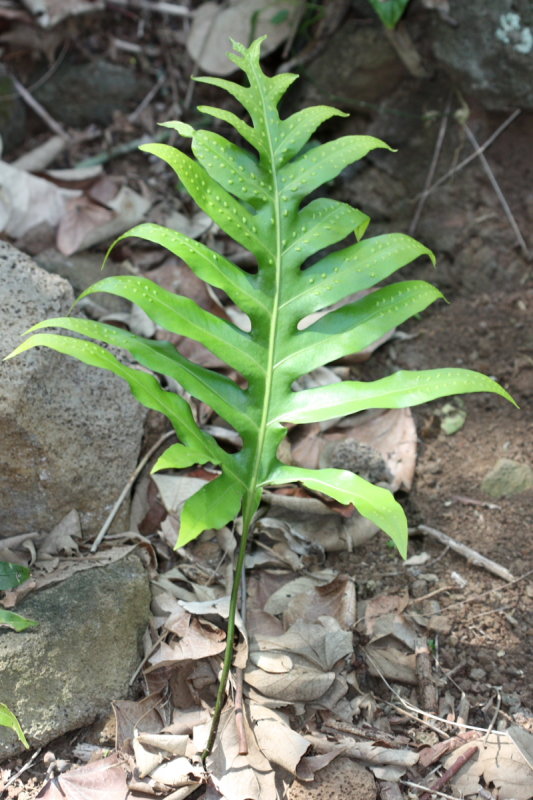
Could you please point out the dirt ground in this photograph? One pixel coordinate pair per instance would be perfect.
(484, 653)
(490, 620)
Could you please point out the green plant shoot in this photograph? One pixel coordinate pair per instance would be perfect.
(257, 194)
(390, 12)
(9, 720)
(11, 575)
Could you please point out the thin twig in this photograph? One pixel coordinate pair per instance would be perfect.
(133, 477)
(416, 710)
(419, 786)
(19, 772)
(453, 770)
(158, 7)
(34, 104)
(150, 652)
(472, 156)
(494, 718)
(45, 77)
(499, 194)
(147, 99)
(432, 167)
(207, 35)
(472, 556)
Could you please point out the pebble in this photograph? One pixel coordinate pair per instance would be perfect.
(478, 674)
(419, 588)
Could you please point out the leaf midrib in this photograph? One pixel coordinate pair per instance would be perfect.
(269, 371)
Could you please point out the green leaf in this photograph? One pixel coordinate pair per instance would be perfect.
(257, 191)
(12, 575)
(222, 207)
(353, 327)
(143, 386)
(323, 163)
(9, 720)
(373, 502)
(185, 317)
(400, 390)
(178, 456)
(209, 266)
(354, 269)
(15, 621)
(389, 11)
(218, 391)
(296, 131)
(216, 504)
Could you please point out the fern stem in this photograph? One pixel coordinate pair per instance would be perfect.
(228, 653)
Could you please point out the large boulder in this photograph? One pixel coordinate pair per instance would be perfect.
(65, 672)
(70, 433)
(489, 50)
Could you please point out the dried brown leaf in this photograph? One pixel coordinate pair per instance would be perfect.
(500, 763)
(103, 778)
(81, 216)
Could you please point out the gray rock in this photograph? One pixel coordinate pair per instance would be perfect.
(64, 673)
(358, 65)
(89, 94)
(70, 433)
(507, 478)
(489, 51)
(83, 269)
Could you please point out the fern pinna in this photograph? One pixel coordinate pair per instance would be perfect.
(256, 195)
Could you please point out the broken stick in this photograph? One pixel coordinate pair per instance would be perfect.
(472, 556)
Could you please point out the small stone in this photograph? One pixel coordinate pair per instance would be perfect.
(478, 674)
(510, 699)
(507, 478)
(419, 588)
(341, 778)
(357, 457)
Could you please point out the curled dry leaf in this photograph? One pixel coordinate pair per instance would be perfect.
(270, 742)
(137, 716)
(310, 519)
(81, 216)
(27, 201)
(63, 539)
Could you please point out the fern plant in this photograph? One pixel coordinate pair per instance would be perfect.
(256, 193)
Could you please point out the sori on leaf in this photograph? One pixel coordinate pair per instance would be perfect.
(256, 192)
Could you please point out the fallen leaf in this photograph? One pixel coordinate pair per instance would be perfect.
(80, 218)
(213, 27)
(391, 663)
(499, 762)
(126, 209)
(103, 778)
(62, 539)
(335, 599)
(27, 201)
(134, 716)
